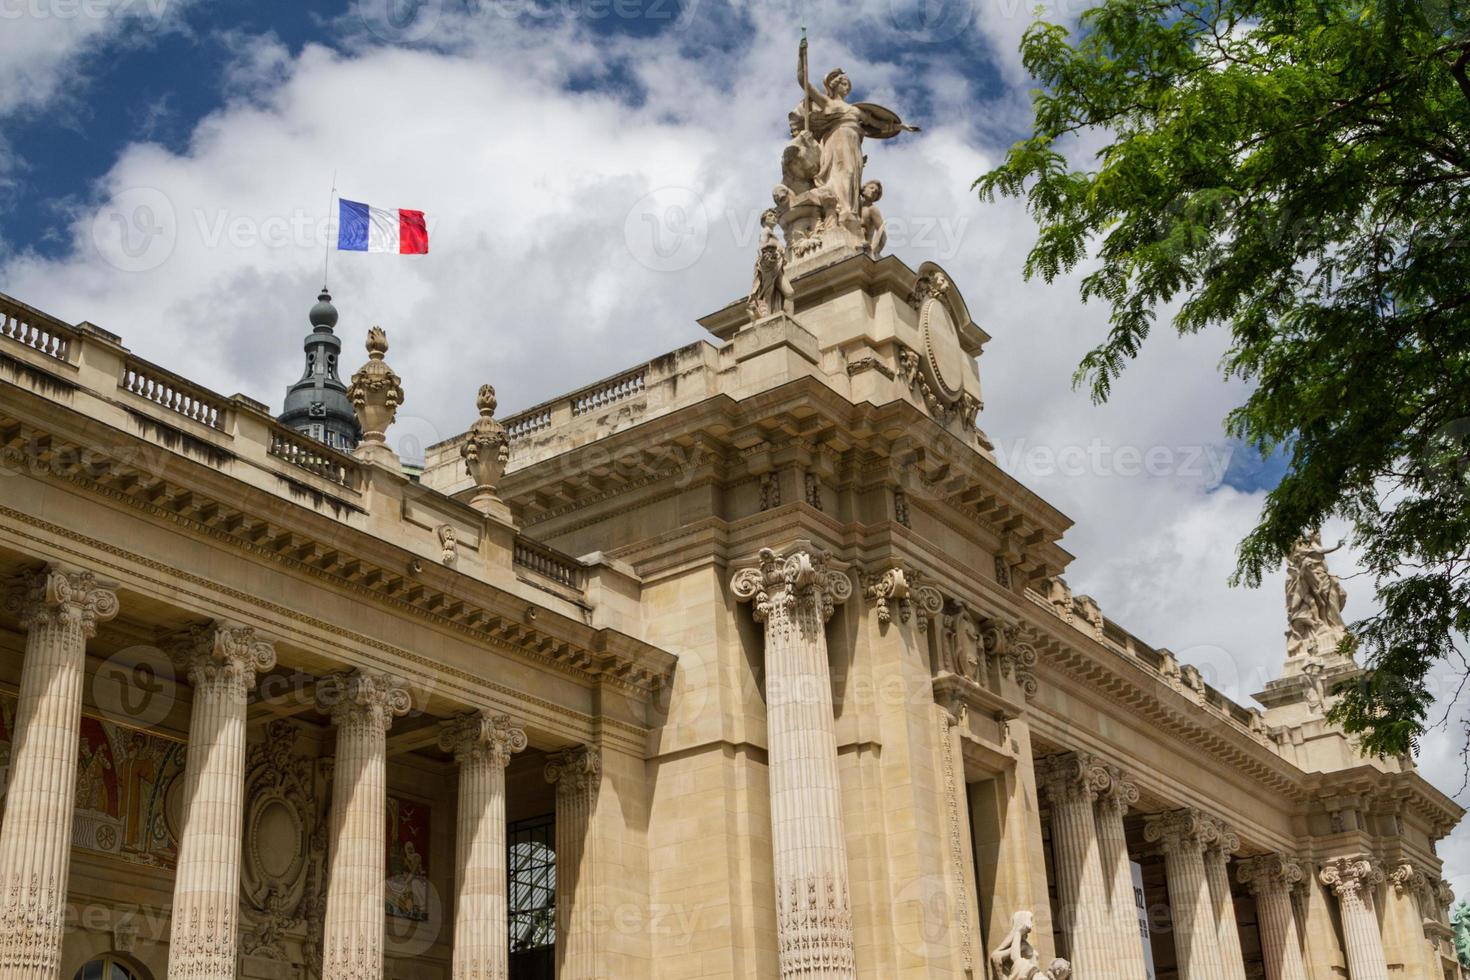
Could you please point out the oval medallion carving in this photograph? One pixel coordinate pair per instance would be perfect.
(943, 355)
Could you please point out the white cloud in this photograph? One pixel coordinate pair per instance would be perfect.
(44, 43)
(545, 198)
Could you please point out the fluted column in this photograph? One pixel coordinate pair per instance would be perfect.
(1182, 836)
(60, 610)
(794, 595)
(1117, 868)
(1271, 879)
(1352, 880)
(221, 662)
(482, 746)
(577, 775)
(1222, 902)
(1071, 784)
(363, 706)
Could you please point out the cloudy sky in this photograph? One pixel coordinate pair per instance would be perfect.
(593, 171)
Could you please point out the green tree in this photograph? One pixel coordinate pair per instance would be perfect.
(1297, 173)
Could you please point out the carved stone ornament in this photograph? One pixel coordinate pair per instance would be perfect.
(1181, 830)
(574, 771)
(944, 358)
(363, 696)
(278, 866)
(226, 653)
(1071, 777)
(1270, 872)
(897, 589)
(486, 449)
(1015, 649)
(63, 597)
(1355, 875)
(376, 392)
(478, 736)
(448, 544)
(803, 576)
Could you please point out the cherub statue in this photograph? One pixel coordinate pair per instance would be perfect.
(875, 230)
(770, 289)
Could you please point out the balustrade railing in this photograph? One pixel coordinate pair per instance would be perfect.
(608, 392)
(312, 456)
(35, 330)
(549, 563)
(522, 425)
(169, 391)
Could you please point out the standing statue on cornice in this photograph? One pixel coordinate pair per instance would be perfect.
(1460, 922)
(821, 186)
(1314, 601)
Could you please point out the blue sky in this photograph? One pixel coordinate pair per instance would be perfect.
(544, 142)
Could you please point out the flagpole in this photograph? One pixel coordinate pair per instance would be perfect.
(327, 250)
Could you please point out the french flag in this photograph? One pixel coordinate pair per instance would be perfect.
(361, 228)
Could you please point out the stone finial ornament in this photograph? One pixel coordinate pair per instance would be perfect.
(486, 451)
(376, 392)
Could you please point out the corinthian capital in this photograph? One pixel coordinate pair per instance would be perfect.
(575, 770)
(363, 696)
(802, 578)
(60, 596)
(222, 651)
(1351, 876)
(1269, 873)
(1071, 777)
(477, 737)
(1181, 830)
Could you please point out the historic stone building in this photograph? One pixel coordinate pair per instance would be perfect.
(748, 661)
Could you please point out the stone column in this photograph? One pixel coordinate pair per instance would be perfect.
(1352, 880)
(221, 662)
(1117, 869)
(1271, 879)
(363, 706)
(794, 595)
(1182, 836)
(1222, 902)
(577, 775)
(1071, 784)
(482, 746)
(60, 610)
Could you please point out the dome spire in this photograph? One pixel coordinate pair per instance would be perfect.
(317, 404)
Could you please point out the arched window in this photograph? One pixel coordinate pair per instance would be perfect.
(108, 967)
(532, 877)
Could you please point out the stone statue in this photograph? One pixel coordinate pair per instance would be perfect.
(770, 289)
(1015, 957)
(1460, 921)
(875, 231)
(822, 167)
(1314, 601)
